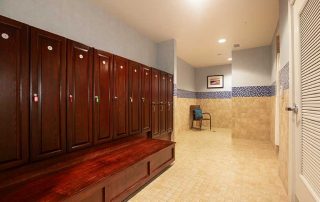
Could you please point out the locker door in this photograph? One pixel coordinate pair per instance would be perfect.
(102, 96)
(14, 93)
(48, 84)
(79, 96)
(134, 98)
(120, 97)
(155, 102)
(146, 99)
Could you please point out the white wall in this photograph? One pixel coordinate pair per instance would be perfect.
(185, 76)
(202, 73)
(166, 56)
(85, 22)
(284, 33)
(252, 67)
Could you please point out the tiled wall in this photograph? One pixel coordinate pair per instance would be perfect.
(246, 110)
(251, 113)
(284, 126)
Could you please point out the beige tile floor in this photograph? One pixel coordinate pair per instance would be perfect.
(211, 166)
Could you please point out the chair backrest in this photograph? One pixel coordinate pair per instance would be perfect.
(192, 108)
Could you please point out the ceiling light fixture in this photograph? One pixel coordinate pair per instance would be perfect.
(229, 59)
(222, 40)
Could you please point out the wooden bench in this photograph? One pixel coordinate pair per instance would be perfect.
(113, 175)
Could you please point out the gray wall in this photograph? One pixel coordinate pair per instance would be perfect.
(166, 56)
(185, 76)
(202, 73)
(252, 67)
(86, 22)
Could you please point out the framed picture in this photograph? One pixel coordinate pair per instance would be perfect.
(215, 81)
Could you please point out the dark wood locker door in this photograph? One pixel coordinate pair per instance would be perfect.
(155, 127)
(134, 98)
(146, 99)
(169, 102)
(48, 90)
(14, 93)
(102, 107)
(120, 97)
(79, 115)
(163, 103)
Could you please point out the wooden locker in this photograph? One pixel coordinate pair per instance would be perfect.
(169, 103)
(146, 98)
(163, 103)
(120, 97)
(155, 102)
(48, 90)
(79, 115)
(134, 98)
(102, 107)
(14, 96)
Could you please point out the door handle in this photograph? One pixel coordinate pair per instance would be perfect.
(35, 97)
(294, 109)
(131, 99)
(142, 99)
(70, 98)
(97, 99)
(115, 97)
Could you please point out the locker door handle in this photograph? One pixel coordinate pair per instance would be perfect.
(142, 99)
(115, 97)
(35, 97)
(97, 99)
(131, 99)
(70, 98)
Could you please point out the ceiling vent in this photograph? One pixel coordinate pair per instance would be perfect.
(236, 45)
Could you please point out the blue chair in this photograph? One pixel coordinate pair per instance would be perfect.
(197, 115)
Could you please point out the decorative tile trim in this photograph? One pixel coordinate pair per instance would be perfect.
(251, 91)
(185, 94)
(284, 77)
(273, 89)
(214, 95)
(175, 90)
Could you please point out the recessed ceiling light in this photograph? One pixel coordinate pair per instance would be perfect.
(229, 59)
(222, 40)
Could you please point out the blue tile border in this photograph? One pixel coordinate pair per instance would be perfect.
(284, 77)
(273, 89)
(214, 95)
(186, 94)
(251, 91)
(175, 90)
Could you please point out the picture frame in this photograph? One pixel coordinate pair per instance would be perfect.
(215, 81)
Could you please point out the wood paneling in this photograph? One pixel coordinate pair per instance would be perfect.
(48, 84)
(155, 102)
(102, 107)
(120, 97)
(79, 95)
(146, 98)
(134, 98)
(14, 93)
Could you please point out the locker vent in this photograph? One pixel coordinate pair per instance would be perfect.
(310, 93)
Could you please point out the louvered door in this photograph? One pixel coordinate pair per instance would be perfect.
(307, 95)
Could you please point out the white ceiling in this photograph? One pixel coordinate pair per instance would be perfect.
(197, 25)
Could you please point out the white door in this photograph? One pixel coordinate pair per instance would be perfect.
(306, 82)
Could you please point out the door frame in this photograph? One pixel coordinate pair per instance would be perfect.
(296, 185)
